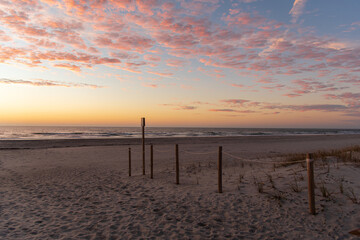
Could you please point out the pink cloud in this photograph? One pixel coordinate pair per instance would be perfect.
(4, 37)
(222, 110)
(135, 43)
(152, 58)
(161, 73)
(292, 95)
(68, 66)
(175, 62)
(265, 80)
(231, 110)
(297, 9)
(123, 55)
(314, 107)
(167, 6)
(124, 4)
(70, 37)
(129, 69)
(135, 64)
(63, 24)
(110, 25)
(309, 86)
(238, 85)
(351, 99)
(185, 108)
(176, 41)
(10, 54)
(180, 106)
(146, 6)
(150, 85)
(46, 83)
(199, 7)
(50, 2)
(239, 102)
(277, 87)
(118, 33)
(45, 43)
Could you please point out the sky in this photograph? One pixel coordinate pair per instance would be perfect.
(214, 63)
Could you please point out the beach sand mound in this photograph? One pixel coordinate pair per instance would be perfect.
(86, 193)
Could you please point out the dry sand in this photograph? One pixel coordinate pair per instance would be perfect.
(80, 189)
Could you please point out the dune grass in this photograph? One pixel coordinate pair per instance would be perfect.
(346, 155)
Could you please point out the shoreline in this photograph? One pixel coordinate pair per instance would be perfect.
(98, 142)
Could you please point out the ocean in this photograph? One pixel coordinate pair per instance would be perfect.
(33, 133)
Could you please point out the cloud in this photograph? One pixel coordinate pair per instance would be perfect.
(130, 42)
(150, 85)
(312, 107)
(239, 102)
(161, 73)
(231, 110)
(186, 108)
(297, 9)
(222, 110)
(179, 106)
(305, 86)
(253, 105)
(68, 66)
(4, 37)
(144, 36)
(247, 1)
(153, 58)
(351, 99)
(47, 83)
(175, 62)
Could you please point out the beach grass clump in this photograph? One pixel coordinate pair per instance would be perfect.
(324, 190)
(341, 185)
(191, 168)
(350, 194)
(277, 195)
(259, 185)
(241, 177)
(348, 154)
(295, 186)
(290, 159)
(271, 181)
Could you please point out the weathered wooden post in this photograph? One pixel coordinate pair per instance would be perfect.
(143, 143)
(177, 163)
(129, 161)
(311, 184)
(220, 170)
(151, 161)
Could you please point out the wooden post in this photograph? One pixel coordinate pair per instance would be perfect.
(151, 161)
(129, 161)
(220, 170)
(177, 163)
(311, 184)
(143, 143)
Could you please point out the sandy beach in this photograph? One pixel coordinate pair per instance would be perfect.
(80, 189)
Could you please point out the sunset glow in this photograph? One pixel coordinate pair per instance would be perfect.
(244, 63)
